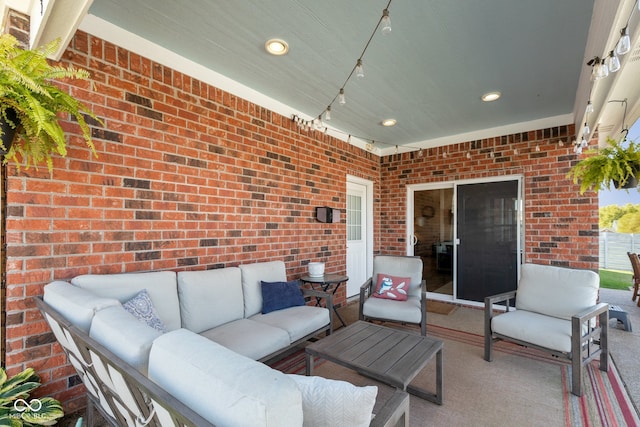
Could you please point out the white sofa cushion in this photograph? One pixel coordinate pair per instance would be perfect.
(546, 331)
(401, 267)
(127, 337)
(332, 403)
(224, 387)
(161, 286)
(249, 338)
(75, 304)
(252, 275)
(556, 291)
(289, 320)
(210, 298)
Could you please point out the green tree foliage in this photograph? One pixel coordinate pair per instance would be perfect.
(626, 218)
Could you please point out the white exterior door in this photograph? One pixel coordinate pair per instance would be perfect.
(357, 236)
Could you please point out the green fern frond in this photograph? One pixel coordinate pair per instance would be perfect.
(28, 86)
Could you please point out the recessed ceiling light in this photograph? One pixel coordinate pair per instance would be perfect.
(276, 47)
(491, 96)
(389, 122)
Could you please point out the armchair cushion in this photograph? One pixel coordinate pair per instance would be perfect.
(400, 266)
(545, 331)
(392, 287)
(279, 295)
(327, 402)
(557, 292)
(401, 311)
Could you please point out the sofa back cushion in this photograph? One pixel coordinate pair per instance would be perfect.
(210, 298)
(123, 334)
(252, 275)
(556, 291)
(75, 304)
(160, 285)
(400, 266)
(224, 387)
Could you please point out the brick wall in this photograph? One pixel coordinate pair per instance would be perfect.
(191, 177)
(187, 177)
(561, 226)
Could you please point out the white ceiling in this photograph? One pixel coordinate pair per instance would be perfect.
(429, 73)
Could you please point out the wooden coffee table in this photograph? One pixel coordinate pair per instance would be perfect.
(391, 356)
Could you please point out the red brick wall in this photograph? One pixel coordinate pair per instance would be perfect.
(187, 177)
(561, 226)
(191, 177)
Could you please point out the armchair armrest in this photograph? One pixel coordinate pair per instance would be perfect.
(591, 312)
(494, 299)
(590, 342)
(394, 413)
(365, 292)
(488, 315)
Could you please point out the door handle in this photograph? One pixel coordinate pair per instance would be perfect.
(414, 238)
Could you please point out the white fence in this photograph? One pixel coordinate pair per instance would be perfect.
(614, 248)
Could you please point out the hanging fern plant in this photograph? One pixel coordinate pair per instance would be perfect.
(32, 104)
(617, 164)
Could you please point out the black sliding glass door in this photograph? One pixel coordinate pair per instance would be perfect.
(487, 231)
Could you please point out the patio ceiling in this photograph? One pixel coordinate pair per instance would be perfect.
(429, 73)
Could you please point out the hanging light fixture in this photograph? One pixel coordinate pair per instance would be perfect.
(589, 107)
(624, 44)
(613, 62)
(602, 70)
(585, 129)
(359, 69)
(341, 99)
(327, 113)
(386, 22)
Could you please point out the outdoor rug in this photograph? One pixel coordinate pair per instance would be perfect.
(522, 386)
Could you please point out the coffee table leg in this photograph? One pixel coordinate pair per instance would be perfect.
(310, 362)
(424, 394)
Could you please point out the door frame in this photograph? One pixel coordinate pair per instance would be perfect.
(454, 184)
(368, 229)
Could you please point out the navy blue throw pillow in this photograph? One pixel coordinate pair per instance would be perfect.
(279, 295)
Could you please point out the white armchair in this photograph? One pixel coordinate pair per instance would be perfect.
(413, 310)
(556, 310)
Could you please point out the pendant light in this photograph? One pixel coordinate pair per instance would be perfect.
(624, 44)
(359, 69)
(386, 22)
(341, 99)
(613, 62)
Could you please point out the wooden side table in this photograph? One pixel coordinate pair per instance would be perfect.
(326, 282)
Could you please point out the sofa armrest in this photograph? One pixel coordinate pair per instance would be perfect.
(394, 412)
(318, 295)
(365, 292)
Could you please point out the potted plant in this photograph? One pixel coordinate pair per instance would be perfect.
(31, 104)
(16, 409)
(618, 163)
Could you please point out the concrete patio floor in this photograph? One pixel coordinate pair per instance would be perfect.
(624, 346)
